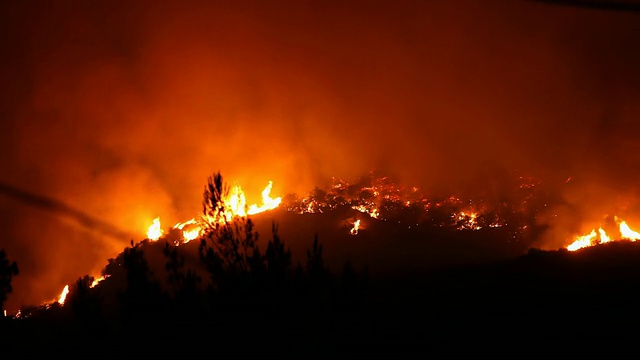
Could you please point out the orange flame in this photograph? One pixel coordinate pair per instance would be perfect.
(268, 203)
(604, 238)
(98, 280)
(63, 295)
(354, 229)
(467, 220)
(235, 205)
(370, 210)
(627, 233)
(591, 238)
(155, 230)
(582, 241)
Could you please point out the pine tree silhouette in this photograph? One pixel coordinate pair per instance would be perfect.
(8, 270)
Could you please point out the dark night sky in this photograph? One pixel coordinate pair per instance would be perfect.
(122, 109)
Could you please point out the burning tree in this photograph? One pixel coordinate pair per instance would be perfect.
(227, 245)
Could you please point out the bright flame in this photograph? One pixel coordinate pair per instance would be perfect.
(235, 204)
(372, 211)
(98, 280)
(582, 241)
(590, 239)
(268, 203)
(356, 226)
(604, 238)
(63, 295)
(467, 221)
(192, 233)
(627, 233)
(155, 230)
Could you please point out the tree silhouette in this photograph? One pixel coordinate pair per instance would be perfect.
(228, 247)
(278, 259)
(233, 240)
(8, 270)
(186, 292)
(84, 301)
(316, 267)
(142, 296)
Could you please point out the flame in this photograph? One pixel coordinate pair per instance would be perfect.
(626, 232)
(98, 280)
(591, 238)
(354, 229)
(190, 229)
(235, 205)
(582, 241)
(467, 221)
(155, 230)
(370, 210)
(63, 295)
(268, 203)
(604, 238)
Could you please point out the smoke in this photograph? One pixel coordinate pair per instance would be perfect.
(122, 110)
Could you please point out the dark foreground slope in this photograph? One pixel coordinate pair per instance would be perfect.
(540, 305)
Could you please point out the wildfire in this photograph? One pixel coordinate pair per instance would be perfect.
(354, 229)
(63, 295)
(626, 232)
(97, 281)
(371, 210)
(467, 221)
(268, 203)
(235, 205)
(190, 229)
(583, 241)
(155, 230)
(601, 237)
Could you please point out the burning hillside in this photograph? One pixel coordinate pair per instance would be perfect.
(357, 221)
(378, 248)
(380, 198)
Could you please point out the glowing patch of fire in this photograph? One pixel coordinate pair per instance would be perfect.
(371, 211)
(155, 230)
(467, 221)
(354, 229)
(98, 280)
(235, 205)
(63, 295)
(592, 238)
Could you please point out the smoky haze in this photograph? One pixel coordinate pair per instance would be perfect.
(123, 109)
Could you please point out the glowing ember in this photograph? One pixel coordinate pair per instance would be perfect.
(467, 221)
(155, 230)
(354, 229)
(63, 295)
(370, 210)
